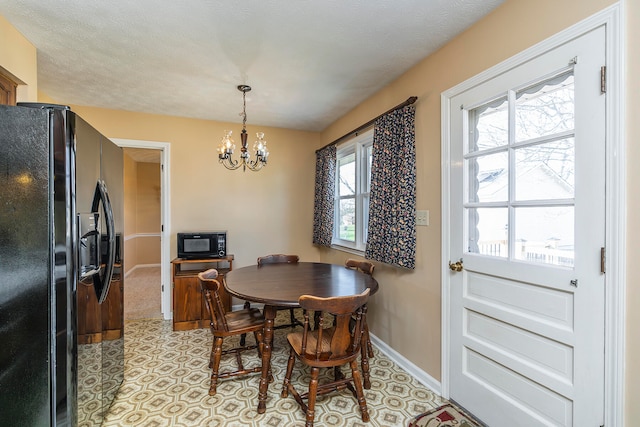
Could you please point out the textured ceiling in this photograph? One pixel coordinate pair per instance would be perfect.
(143, 155)
(308, 62)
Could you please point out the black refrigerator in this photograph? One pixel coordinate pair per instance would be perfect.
(61, 215)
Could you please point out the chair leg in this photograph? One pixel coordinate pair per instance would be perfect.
(368, 340)
(212, 354)
(287, 375)
(243, 337)
(365, 331)
(364, 361)
(217, 355)
(311, 400)
(357, 382)
(337, 373)
(257, 335)
(292, 318)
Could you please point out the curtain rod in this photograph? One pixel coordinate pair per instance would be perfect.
(409, 101)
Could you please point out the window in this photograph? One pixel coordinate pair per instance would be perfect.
(353, 173)
(521, 201)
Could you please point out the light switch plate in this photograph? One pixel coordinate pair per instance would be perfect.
(422, 217)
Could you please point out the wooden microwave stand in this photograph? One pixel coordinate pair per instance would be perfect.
(189, 311)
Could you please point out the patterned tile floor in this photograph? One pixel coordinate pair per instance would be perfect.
(167, 382)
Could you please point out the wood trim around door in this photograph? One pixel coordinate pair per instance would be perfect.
(8, 89)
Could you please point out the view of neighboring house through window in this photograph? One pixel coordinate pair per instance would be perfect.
(353, 174)
(520, 165)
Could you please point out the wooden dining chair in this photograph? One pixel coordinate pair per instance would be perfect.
(224, 325)
(366, 348)
(282, 259)
(334, 343)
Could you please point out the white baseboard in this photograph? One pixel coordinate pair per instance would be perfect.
(140, 266)
(420, 375)
(140, 236)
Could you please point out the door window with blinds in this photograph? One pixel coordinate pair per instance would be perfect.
(520, 167)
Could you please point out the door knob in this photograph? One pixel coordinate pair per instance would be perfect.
(456, 266)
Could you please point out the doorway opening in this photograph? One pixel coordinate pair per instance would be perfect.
(147, 232)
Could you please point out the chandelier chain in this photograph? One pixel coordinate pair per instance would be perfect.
(244, 110)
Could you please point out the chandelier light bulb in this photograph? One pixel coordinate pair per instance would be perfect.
(260, 145)
(227, 145)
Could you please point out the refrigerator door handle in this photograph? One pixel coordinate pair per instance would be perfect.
(102, 281)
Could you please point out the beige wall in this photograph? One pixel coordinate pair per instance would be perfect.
(265, 212)
(148, 250)
(148, 195)
(130, 195)
(148, 214)
(18, 58)
(130, 211)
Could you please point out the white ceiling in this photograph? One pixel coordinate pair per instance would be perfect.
(308, 62)
(143, 155)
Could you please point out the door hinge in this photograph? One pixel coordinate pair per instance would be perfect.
(162, 288)
(603, 79)
(162, 228)
(603, 260)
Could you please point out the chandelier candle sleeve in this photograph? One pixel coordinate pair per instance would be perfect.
(227, 145)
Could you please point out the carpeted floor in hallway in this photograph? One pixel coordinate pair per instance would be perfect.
(142, 294)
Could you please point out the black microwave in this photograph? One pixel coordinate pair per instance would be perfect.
(206, 244)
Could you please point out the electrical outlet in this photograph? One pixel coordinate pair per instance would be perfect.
(422, 217)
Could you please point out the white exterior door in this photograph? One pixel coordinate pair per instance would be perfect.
(527, 204)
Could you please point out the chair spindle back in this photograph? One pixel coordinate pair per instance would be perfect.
(278, 259)
(211, 292)
(364, 266)
(338, 312)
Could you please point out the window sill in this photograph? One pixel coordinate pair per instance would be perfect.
(348, 250)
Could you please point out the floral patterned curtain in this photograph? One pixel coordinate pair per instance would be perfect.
(324, 196)
(391, 237)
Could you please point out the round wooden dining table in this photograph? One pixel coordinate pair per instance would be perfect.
(281, 285)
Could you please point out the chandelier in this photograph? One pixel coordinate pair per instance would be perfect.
(227, 145)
